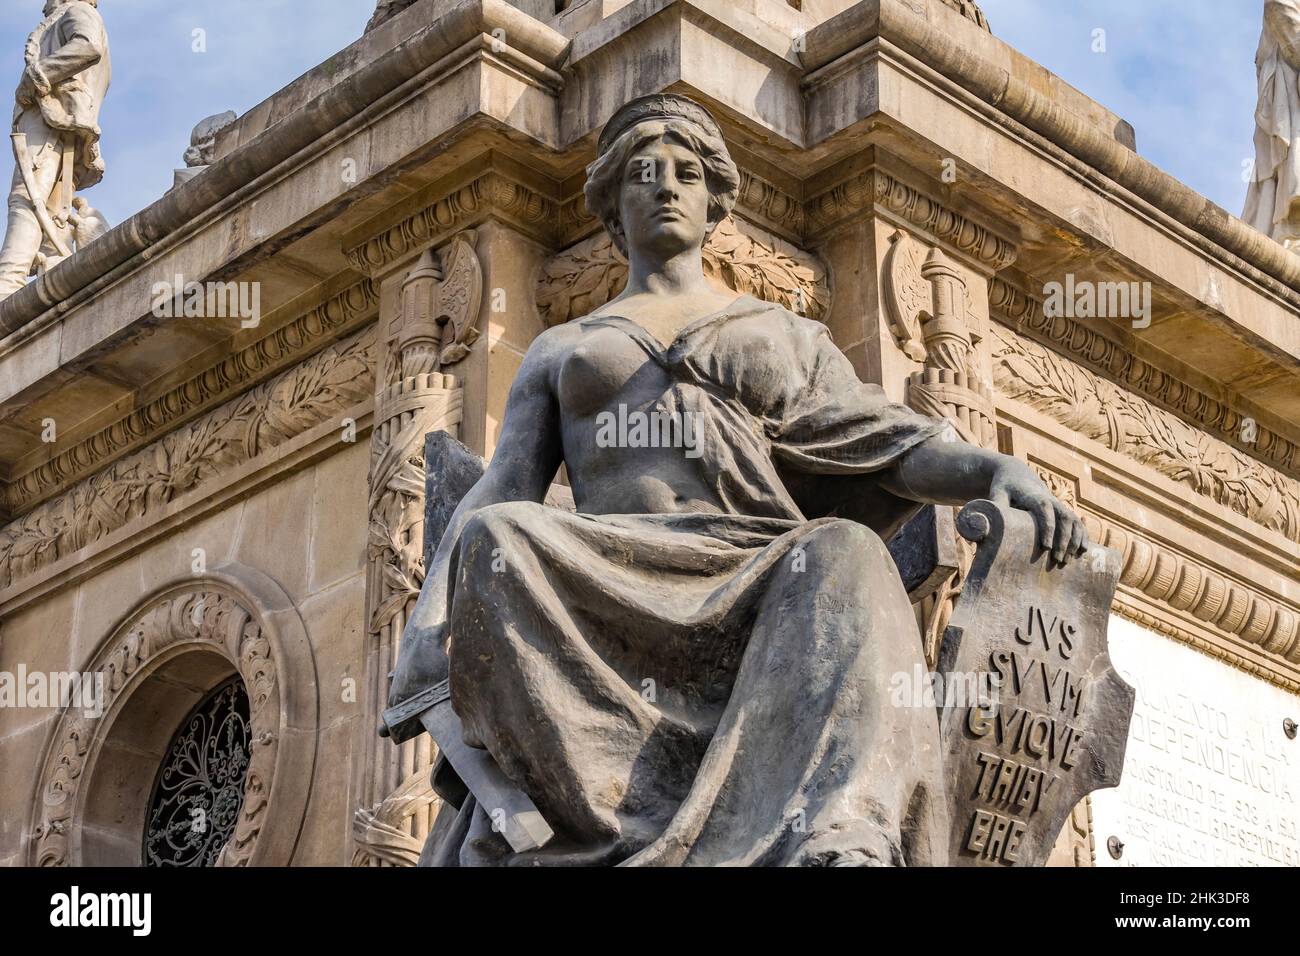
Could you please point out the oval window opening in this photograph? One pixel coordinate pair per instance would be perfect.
(199, 791)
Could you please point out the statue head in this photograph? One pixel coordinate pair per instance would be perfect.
(52, 5)
(662, 179)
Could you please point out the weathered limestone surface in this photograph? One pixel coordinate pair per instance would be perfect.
(906, 178)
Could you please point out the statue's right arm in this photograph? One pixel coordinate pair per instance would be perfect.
(528, 454)
(1282, 20)
(77, 49)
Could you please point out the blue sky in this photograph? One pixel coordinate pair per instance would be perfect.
(1181, 71)
(161, 88)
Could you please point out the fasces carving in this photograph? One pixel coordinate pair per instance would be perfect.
(140, 484)
(1118, 364)
(297, 337)
(383, 835)
(1126, 423)
(582, 278)
(433, 329)
(440, 305)
(1077, 836)
(928, 303)
(409, 410)
(199, 616)
(951, 385)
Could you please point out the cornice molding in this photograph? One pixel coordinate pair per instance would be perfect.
(876, 188)
(1116, 362)
(501, 192)
(493, 192)
(1098, 408)
(286, 344)
(1187, 586)
(145, 482)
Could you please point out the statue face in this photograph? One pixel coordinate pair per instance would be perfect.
(664, 200)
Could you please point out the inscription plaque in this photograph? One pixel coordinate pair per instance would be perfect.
(1210, 777)
(1054, 727)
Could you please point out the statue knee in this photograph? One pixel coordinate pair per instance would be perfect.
(840, 541)
(486, 539)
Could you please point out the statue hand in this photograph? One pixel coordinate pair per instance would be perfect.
(1060, 530)
(37, 78)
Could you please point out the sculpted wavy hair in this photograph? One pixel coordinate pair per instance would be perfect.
(605, 175)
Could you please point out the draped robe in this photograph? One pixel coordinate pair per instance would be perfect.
(701, 688)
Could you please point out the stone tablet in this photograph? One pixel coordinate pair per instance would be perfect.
(1054, 727)
(1211, 776)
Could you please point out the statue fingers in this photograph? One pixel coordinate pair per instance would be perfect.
(1078, 538)
(1044, 521)
(1064, 528)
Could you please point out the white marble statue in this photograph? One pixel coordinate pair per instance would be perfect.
(55, 136)
(1273, 200)
(202, 151)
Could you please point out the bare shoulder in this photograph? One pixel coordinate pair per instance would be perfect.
(546, 354)
(555, 342)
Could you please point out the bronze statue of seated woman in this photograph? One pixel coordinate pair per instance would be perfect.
(693, 668)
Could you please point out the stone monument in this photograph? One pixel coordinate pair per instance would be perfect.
(228, 516)
(202, 150)
(692, 668)
(1275, 176)
(55, 136)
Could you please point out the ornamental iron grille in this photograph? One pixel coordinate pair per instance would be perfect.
(200, 787)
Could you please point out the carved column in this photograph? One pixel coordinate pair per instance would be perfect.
(432, 330)
(933, 315)
(954, 381)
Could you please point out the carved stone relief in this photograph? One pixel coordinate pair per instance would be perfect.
(1129, 424)
(433, 330)
(1117, 363)
(243, 616)
(140, 484)
(738, 255)
(295, 338)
